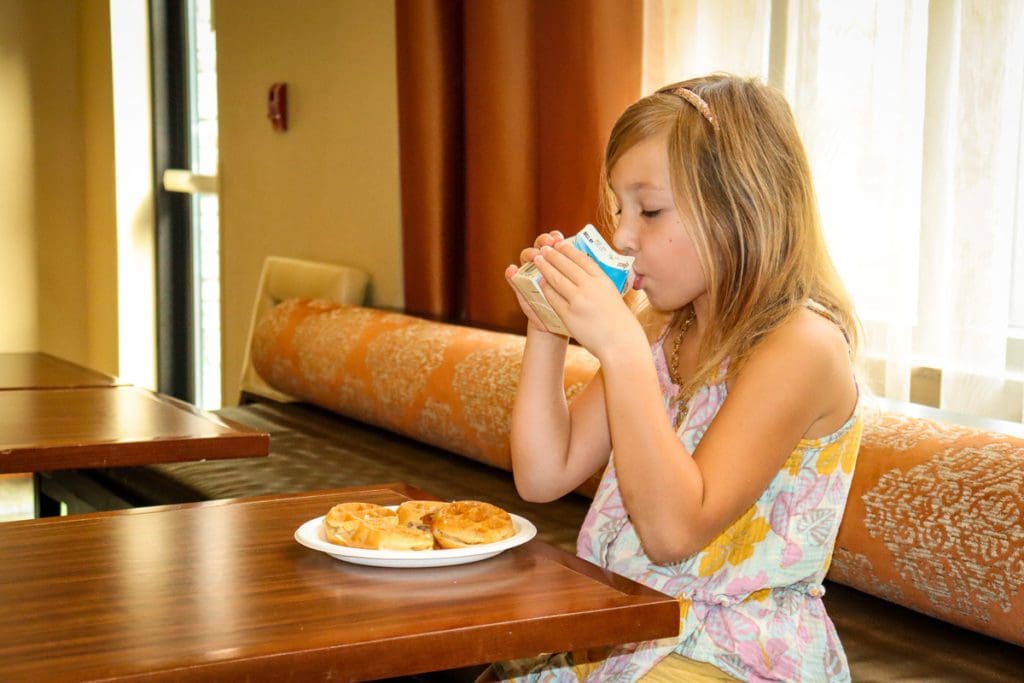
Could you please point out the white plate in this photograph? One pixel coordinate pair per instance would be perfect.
(311, 535)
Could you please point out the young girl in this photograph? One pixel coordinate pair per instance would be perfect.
(728, 407)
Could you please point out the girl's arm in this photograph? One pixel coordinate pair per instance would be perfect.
(555, 447)
(797, 383)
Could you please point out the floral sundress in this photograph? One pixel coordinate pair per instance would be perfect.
(750, 601)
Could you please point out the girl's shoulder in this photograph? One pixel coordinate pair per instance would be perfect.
(808, 356)
(805, 342)
(814, 328)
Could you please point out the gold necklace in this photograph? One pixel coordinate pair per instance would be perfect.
(673, 369)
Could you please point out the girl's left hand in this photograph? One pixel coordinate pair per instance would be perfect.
(583, 297)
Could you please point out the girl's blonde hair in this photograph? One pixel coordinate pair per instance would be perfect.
(745, 186)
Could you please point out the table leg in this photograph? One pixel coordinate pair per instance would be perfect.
(45, 506)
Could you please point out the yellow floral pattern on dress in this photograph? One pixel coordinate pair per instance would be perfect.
(793, 463)
(584, 669)
(754, 592)
(838, 453)
(684, 607)
(735, 544)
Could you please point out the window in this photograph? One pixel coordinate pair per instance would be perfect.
(912, 113)
(206, 207)
(186, 158)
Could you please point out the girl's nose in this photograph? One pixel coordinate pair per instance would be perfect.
(623, 238)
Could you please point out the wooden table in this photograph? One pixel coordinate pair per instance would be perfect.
(41, 370)
(221, 591)
(58, 415)
(48, 429)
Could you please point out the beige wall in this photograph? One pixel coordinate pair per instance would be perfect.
(327, 189)
(56, 180)
(18, 266)
(59, 179)
(99, 218)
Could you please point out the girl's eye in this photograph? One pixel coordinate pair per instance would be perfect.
(650, 214)
(618, 211)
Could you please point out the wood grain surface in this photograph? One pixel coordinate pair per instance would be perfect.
(47, 429)
(221, 591)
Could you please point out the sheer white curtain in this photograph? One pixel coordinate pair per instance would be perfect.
(912, 113)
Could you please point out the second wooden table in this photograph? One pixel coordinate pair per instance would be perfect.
(51, 429)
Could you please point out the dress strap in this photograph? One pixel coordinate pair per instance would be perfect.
(827, 314)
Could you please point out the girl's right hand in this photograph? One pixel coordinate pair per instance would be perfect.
(547, 239)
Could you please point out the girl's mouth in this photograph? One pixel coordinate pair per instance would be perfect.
(638, 282)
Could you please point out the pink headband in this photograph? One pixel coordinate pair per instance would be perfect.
(701, 106)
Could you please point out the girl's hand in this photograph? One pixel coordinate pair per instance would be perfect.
(585, 299)
(547, 239)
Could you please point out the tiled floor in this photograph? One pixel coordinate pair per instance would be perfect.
(15, 497)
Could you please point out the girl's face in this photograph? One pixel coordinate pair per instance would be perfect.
(651, 229)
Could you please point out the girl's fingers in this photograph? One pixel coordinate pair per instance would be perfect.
(557, 302)
(528, 254)
(566, 260)
(552, 271)
(588, 264)
(548, 239)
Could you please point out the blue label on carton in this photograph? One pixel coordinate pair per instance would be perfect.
(618, 276)
(615, 265)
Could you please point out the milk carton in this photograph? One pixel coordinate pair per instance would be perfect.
(617, 267)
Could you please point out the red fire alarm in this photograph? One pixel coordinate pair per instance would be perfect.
(277, 106)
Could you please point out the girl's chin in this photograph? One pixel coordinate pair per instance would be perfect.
(653, 302)
(660, 306)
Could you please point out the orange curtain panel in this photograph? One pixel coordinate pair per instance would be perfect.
(504, 110)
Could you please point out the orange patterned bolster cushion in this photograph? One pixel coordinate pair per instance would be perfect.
(449, 386)
(935, 522)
